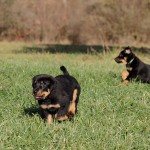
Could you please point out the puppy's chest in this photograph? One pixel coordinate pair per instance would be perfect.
(129, 68)
(47, 104)
(135, 72)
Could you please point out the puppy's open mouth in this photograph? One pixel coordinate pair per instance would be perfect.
(41, 95)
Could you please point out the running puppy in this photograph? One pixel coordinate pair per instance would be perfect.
(135, 68)
(58, 96)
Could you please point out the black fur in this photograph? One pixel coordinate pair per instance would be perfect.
(135, 67)
(60, 90)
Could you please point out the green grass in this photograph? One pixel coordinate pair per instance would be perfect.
(110, 114)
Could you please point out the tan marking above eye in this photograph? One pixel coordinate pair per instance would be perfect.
(41, 83)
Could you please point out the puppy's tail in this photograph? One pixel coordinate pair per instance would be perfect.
(64, 70)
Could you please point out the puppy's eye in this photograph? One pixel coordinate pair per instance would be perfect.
(44, 83)
(33, 86)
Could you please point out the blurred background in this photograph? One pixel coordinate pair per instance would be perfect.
(95, 22)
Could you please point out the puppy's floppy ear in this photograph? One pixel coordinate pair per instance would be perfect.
(51, 79)
(128, 50)
(41, 77)
(33, 80)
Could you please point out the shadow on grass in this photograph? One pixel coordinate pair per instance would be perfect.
(34, 111)
(59, 48)
(31, 111)
(62, 48)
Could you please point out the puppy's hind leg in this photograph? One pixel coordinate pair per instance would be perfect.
(62, 114)
(73, 104)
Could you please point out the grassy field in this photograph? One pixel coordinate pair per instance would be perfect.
(110, 114)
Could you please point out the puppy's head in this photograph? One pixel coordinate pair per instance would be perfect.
(42, 85)
(125, 56)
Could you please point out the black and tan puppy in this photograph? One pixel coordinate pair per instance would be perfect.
(135, 68)
(58, 96)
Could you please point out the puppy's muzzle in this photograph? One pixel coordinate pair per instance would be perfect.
(118, 60)
(40, 95)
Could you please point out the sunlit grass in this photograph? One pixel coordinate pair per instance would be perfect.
(110, 114)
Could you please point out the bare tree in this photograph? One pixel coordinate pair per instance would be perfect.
(103, 22)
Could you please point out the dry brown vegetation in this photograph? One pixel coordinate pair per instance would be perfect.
(105, 22)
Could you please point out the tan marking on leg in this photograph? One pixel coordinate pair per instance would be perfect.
(72, 103)
(72, 108)
(125, 74)
(74, 95)
(49, 119)
(54, 106)
(62, 118)
(43, 106)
